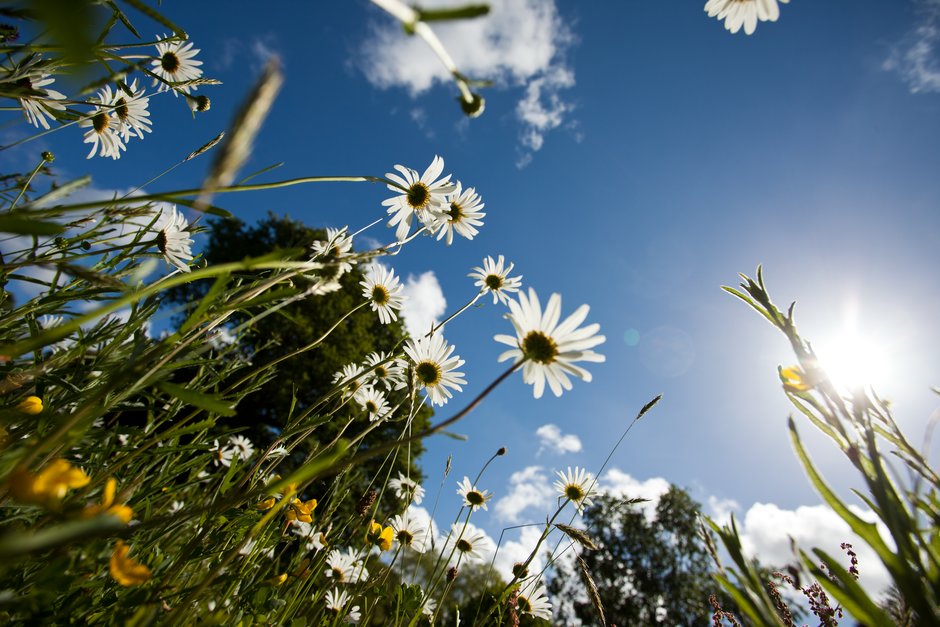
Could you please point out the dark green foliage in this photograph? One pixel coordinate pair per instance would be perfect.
(642, 564)
(302, 380)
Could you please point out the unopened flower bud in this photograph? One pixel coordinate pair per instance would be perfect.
(199, 104)
(452, 574)
(48, 156)
(475, 107)
(519, 570)
(501, 451)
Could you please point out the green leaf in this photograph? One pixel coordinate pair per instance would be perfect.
(62, 191)
(157, 17)
(26, 226)
(17, 543)
(217, 288)
(208, 402)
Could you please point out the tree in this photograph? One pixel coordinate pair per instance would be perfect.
(646, 570)
(303, 379)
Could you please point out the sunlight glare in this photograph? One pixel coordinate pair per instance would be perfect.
(852, 360)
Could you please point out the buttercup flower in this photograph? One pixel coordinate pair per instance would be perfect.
(124, 570)
(407, 489)
(746, 13)
(384, 292)
(550, 349)
(423, 197)
(173, 238)
(175, 63)
(794, 380)
(409, 532)
(40, 106)
(435, 368)
(461, 213)
(533, 600)
(575, 486)
(300, 510)
(494, 278)
(49, 485)
(31, 405)
(373, 402)
(108, 506)
(379, 536)
(472, 497)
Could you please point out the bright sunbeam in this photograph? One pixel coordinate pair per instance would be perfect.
(852, 360)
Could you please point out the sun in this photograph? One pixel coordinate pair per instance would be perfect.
(853, 360)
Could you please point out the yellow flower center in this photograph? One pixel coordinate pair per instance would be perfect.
(429, 373)
(404, 537)
(475, 498)
(419, 195)
(380, 295)
(574, 492)
(456, 212)
(463, 546)
(100, 122)
(539, 347)
(121, 109)
(170, 62)
(493, 281)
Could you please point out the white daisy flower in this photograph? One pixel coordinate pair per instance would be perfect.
(351, 374)
(130, 110)
(102, 131)
(383, 369)
(221, 456)
(384, 292)
(373, 402)
(494, 277)
(468, 541)
(173, 238)
(428, 607)
(40, 106)
(746, 13)
(533, 600)
(549, 349)
(175, 63)
(472, 497)
(575, 485)
(336, 600)
(242, 447)
(345, 567)
(461, 213)
(407, 489)
(249, 547)
(435, 368)
(409, 532)
(47, 322)
(423, 197)
(177, 506)
(313, 539)
(335, 249)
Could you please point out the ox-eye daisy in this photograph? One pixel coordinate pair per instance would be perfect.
(173, 238)
(422, 196)
(409, 532)
(384, 292)
(434, 367)
(575, 485)
(746, 13)
(533, 600)
(472, 497)
(494, 278)
(175, 63)
(548, 349)
(461, 213)
(407, 489)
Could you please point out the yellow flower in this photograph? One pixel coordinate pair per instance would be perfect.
(793, 379)
(266, 504)
(380, 537)
(49, 485)
(277, 579)
(108, 506)
(126, 571)
(31, 405)
(298, 510)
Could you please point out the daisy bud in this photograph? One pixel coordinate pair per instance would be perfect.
(48, 156)
(519, 570)
(475, 107)
(452, 574)
(501, 451)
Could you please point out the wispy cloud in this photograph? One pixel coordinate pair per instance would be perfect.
(916, 57)
(520, 45)
(528, 488)
(552, 439)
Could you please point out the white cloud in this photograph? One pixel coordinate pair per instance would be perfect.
(529, 487)
(767, 529)
(618, 483)
(517, 551)
(520, 44)
(551, 438)
(916, 58)
(424, 303)
(720, 510)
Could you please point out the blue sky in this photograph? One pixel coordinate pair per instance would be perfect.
(635, 157)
